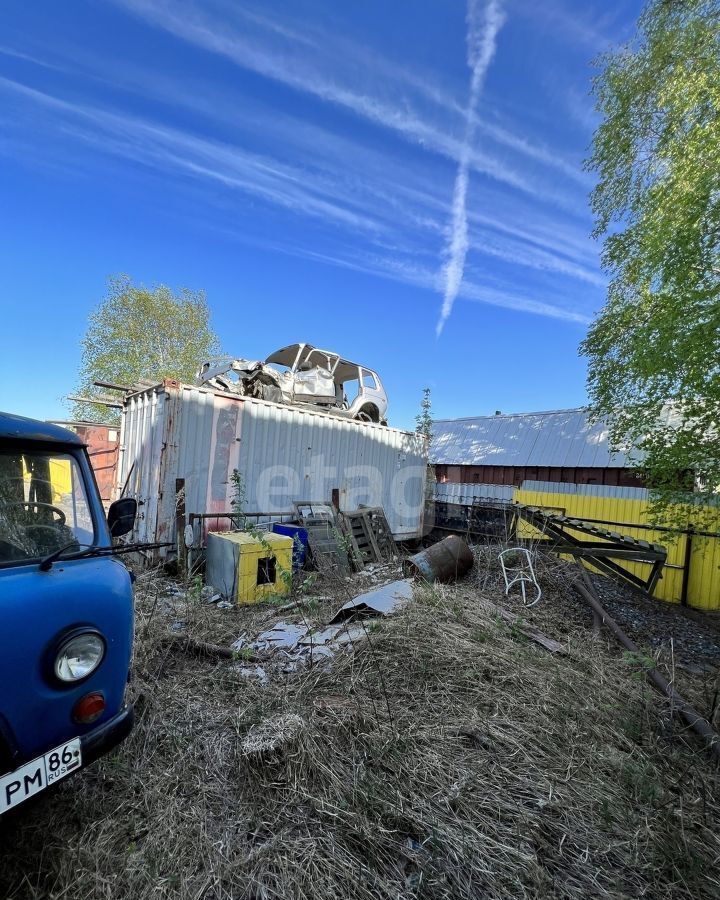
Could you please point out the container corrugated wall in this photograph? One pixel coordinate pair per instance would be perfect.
(142, 446)
(282, 453)
(464, 494)
(588, 490)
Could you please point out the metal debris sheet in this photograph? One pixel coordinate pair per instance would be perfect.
(382, 601)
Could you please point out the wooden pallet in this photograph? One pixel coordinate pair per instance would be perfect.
(369, 534)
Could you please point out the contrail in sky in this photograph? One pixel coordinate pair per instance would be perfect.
(481, 36)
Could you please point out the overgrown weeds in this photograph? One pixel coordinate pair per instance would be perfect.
(442, 759)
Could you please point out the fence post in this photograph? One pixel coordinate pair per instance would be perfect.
(687, 559)
(180, 526)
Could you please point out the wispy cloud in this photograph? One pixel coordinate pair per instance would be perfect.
(534, 150)
(482, 37)
(162, 148)
(581, 107)
(397, 208)
(25, 57)
(578, 25)
(521, 254)
(411, 272)
(418, 106)
(320, 74)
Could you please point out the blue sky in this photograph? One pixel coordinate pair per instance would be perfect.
(326, 172)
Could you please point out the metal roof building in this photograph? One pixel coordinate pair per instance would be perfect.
(560, 445)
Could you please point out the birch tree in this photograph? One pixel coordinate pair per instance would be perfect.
(654, 349)
(142, 333)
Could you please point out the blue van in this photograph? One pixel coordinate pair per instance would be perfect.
(66, 609)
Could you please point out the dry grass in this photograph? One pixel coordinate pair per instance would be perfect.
(446, 757)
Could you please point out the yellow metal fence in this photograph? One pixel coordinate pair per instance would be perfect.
(626, 516)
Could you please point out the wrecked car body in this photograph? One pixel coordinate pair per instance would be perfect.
(304, 375)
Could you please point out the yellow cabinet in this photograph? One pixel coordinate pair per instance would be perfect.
(247, 569)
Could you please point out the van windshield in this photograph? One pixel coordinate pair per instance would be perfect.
(43, 506)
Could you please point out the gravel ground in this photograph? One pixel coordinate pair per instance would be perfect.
(663, 627)
(677, 637)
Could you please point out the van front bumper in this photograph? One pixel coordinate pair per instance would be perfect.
(99, 741)
(45, 771)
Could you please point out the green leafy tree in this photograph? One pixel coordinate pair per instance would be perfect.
(654, 349)
(140, 333)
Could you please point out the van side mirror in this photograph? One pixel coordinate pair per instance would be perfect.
(121, 516)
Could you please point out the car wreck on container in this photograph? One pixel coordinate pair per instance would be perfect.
(305, 375)
(186, 443)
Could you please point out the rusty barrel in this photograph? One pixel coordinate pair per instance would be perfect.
(447, 560)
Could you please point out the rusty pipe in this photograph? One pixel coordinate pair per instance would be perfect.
(693, 718)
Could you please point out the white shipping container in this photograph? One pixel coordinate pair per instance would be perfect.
(174, 432)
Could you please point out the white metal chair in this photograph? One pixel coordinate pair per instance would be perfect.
(518, 569)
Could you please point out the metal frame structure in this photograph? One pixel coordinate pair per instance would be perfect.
(319, 519)
(601, 552)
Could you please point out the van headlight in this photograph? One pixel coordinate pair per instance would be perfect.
(79, 656)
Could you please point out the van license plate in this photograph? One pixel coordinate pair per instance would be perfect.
(35, 776)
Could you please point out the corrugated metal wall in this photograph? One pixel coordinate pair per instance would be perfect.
(464, 494)
(283, 453)
(618, 492)
(515, 475)
(142, 442)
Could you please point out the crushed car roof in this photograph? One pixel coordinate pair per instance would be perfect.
(344, 369)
